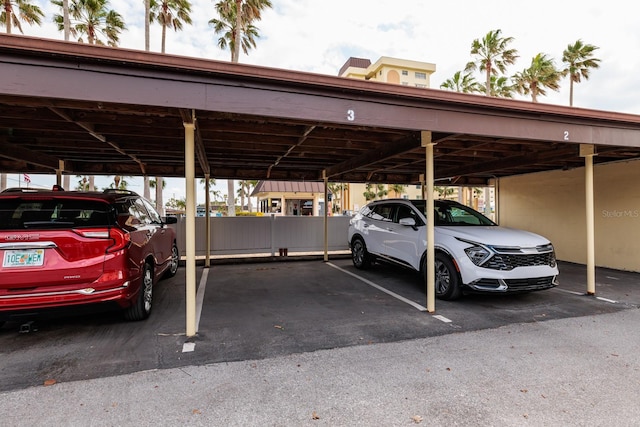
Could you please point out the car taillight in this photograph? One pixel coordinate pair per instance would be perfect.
(120, 238)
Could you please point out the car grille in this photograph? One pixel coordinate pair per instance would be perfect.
(514, 285)
(506, 262)
(533, 284)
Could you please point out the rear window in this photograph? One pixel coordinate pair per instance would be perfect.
(40, 212)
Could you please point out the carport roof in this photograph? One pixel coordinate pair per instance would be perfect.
(115, 111)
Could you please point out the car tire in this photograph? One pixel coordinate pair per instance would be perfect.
(448, 280)
(359, 254)
(174, 262)
(141, 308)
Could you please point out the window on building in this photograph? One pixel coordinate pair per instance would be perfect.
(405, 83)
(422, 76)
(405, 73)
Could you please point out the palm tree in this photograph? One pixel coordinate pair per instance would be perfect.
(492, 55)
(27, 12)
(159, 201)
(540, 75)
(92, 18)
(119, 183)
(237, 30)
(369, 194)
(230, 21)
(31, 14)
(398, 189)
(462, 83)
(169, 14)
(578, 59)
(500, 87)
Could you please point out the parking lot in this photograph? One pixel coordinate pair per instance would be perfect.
(262, 310)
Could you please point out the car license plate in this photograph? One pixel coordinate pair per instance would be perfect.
(23, 258)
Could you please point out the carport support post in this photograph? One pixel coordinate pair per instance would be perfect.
(326, 220)
(207, 217)
(588, 151)
(59, 173)
(190, 225)
(431, 258)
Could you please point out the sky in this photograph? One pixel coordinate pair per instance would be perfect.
(318, 36)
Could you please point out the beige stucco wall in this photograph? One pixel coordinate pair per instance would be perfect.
(553, 204)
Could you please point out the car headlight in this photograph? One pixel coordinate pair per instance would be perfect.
(477, 254)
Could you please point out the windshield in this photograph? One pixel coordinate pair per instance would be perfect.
(46, 212)
(454, 214)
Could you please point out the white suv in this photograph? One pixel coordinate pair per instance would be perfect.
(472, 252)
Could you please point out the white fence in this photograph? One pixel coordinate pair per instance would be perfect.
(266, 234)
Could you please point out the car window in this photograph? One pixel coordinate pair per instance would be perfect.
(454, 214)
(153, 214)
(140, 211)
(381, 212)
(404, 211)
(19, 213)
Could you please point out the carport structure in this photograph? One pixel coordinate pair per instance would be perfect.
(68, 108)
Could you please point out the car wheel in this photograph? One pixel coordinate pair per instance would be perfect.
(447, 282)
(359, 255)
(175, 261)
(141, 308)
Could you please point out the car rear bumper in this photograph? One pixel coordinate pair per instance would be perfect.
(36, 300)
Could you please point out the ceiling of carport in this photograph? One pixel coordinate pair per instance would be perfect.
(121, 112)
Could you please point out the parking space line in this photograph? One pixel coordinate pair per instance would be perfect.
(568, 292)
(189, 346)
(582, 293)
(380, 288)
(442, 318)
(200, 296)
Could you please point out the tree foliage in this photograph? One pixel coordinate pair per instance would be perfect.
(94, 19)
(492, 56)
(16, 11)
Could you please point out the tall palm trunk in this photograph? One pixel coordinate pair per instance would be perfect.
(159, 201)
(147, 8)
(231, 204)
(235, 53)
(65, 15)
(7, 10)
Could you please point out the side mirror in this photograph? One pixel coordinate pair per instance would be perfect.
(409, 222)
(170, 220)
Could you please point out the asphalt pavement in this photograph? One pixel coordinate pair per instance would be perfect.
(543, 361)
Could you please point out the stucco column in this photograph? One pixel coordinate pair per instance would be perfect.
(326, 219)
(588, 151)
(190, 226)
(431, 258)
(207, 217)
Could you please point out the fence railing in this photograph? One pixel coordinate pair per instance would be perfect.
(266, 235)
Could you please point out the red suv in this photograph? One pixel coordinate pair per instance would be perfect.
(67, 248)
